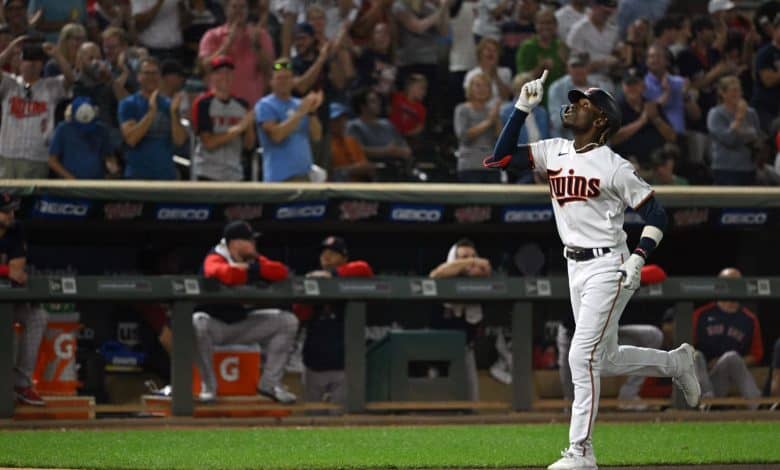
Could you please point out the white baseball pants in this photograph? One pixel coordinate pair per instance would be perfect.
(598, 300)
(646, 336)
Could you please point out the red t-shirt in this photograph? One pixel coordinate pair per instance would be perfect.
(406, 115)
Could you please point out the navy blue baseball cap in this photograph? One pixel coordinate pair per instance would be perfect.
(239, 230)
(336, 244)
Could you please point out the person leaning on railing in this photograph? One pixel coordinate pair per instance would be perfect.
(323, 348)
(463, 261)
(234, 261)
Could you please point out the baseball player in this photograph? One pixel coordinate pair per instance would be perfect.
(13, 260)
(233, 262)
(591, 187)
(323, 347)
(727, 336)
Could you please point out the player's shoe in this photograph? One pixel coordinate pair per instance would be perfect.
(28, 396)
(686, 379)
(573, 460)
(278, 394)
(207, 396)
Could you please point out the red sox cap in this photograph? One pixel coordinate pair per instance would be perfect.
(336, 244)
(239, 230)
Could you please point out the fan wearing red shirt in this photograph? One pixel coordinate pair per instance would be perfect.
(234, 262)
(407, 112)
(323, 348)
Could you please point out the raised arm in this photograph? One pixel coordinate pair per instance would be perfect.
(506, 152)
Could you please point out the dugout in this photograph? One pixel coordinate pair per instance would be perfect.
(90, 228)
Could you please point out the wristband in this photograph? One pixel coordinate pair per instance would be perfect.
(641, 252)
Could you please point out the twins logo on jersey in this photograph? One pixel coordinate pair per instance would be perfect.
(22, 108)
(571, 187)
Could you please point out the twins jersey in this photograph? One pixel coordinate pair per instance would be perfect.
(28, 116)
(590, 192)
(210, 114)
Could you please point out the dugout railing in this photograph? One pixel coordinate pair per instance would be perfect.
(184, 292)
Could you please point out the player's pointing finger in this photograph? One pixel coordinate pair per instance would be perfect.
(544, 76)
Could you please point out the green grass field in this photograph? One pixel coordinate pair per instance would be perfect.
(388, 447)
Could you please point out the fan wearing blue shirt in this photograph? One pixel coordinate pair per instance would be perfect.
(285, 126)
(80, 144)
(151, 127)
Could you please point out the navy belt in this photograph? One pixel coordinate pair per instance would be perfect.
(584, 254)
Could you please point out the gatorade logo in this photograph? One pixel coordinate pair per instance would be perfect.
(425, 214)
(308, 211)
(743, 218)
(228, 369)
(184, 213)
(61, 208)
(65, 346)
(527, 215)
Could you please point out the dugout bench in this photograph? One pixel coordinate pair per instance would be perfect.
(184, 292)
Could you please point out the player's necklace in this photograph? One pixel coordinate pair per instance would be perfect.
(585, 147)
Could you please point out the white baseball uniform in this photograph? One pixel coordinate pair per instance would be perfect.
(590, 192)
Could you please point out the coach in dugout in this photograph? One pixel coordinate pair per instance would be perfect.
(323, 348)
(235, 261)
(13, 260)
(28, 103)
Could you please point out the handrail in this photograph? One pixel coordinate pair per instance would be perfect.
(184, 292)
(440, 193)
(194, 288)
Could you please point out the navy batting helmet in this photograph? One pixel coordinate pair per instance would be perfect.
(604, 102)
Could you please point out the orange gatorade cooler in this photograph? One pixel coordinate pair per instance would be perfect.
(237, 369)
(55, 371)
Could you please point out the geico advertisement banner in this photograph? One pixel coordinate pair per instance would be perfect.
(50, 207)
(182, 212)
(363, 212)
(421, 213)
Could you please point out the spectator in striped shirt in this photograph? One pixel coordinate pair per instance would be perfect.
(224, 125)
(28, 103)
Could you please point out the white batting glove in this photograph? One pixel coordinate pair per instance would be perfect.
(531, 94)
(632, 271)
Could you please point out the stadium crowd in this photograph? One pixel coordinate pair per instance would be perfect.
(378, 90)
